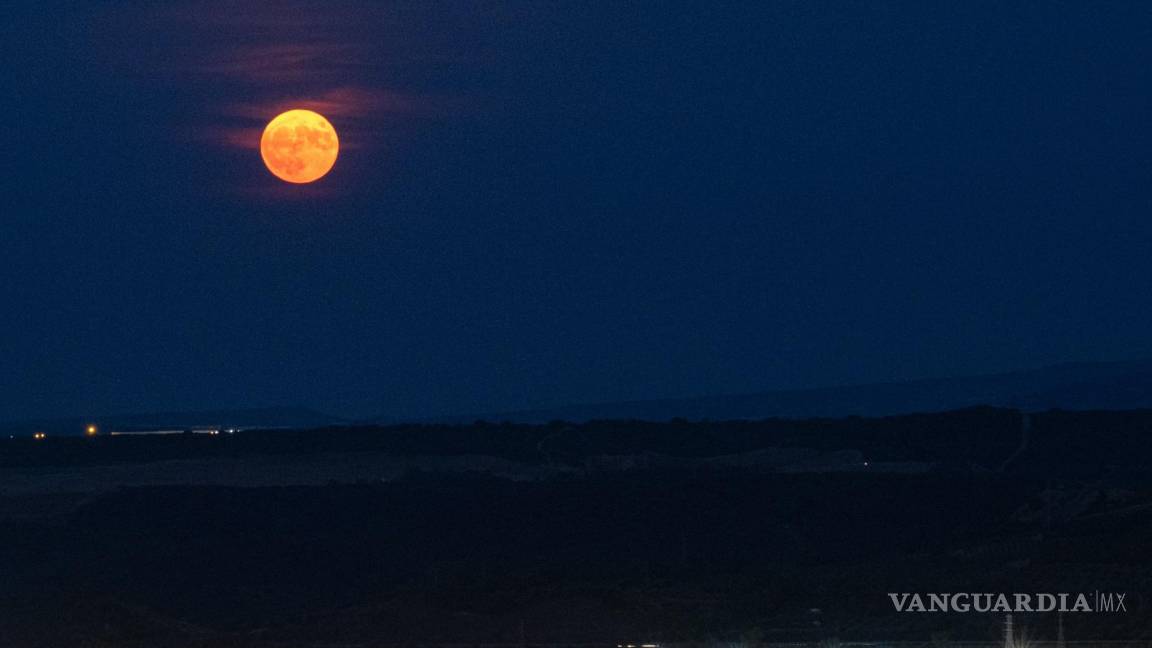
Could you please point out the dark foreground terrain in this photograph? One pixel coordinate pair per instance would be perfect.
(600, 533)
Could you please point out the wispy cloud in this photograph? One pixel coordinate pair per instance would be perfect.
(239, 64)
(346, 102)
(276, 63)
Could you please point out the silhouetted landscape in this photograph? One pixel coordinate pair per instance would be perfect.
(1074, 385)
(599, 533)
(540, 324)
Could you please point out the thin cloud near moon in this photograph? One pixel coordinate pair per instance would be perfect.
(275, 63)
(237, 67)
(349, 102)
(361, 113)
(257, 60)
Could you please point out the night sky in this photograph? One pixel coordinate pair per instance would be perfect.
(541, 203)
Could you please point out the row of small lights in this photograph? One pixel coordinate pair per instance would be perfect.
(90, 431)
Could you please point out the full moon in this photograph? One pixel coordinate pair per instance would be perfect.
(299, 146)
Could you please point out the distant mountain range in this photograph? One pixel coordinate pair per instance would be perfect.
(268, 417)
(1072, 386)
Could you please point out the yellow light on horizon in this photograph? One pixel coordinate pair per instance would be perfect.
(90, 431)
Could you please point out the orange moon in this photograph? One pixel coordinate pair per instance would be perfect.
(299, 146)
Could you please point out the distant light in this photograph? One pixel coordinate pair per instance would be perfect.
(90, 430)
(38, 435)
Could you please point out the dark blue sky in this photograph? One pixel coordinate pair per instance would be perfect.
(541, 203)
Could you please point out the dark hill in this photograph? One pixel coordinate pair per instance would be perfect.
(1073, 386)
